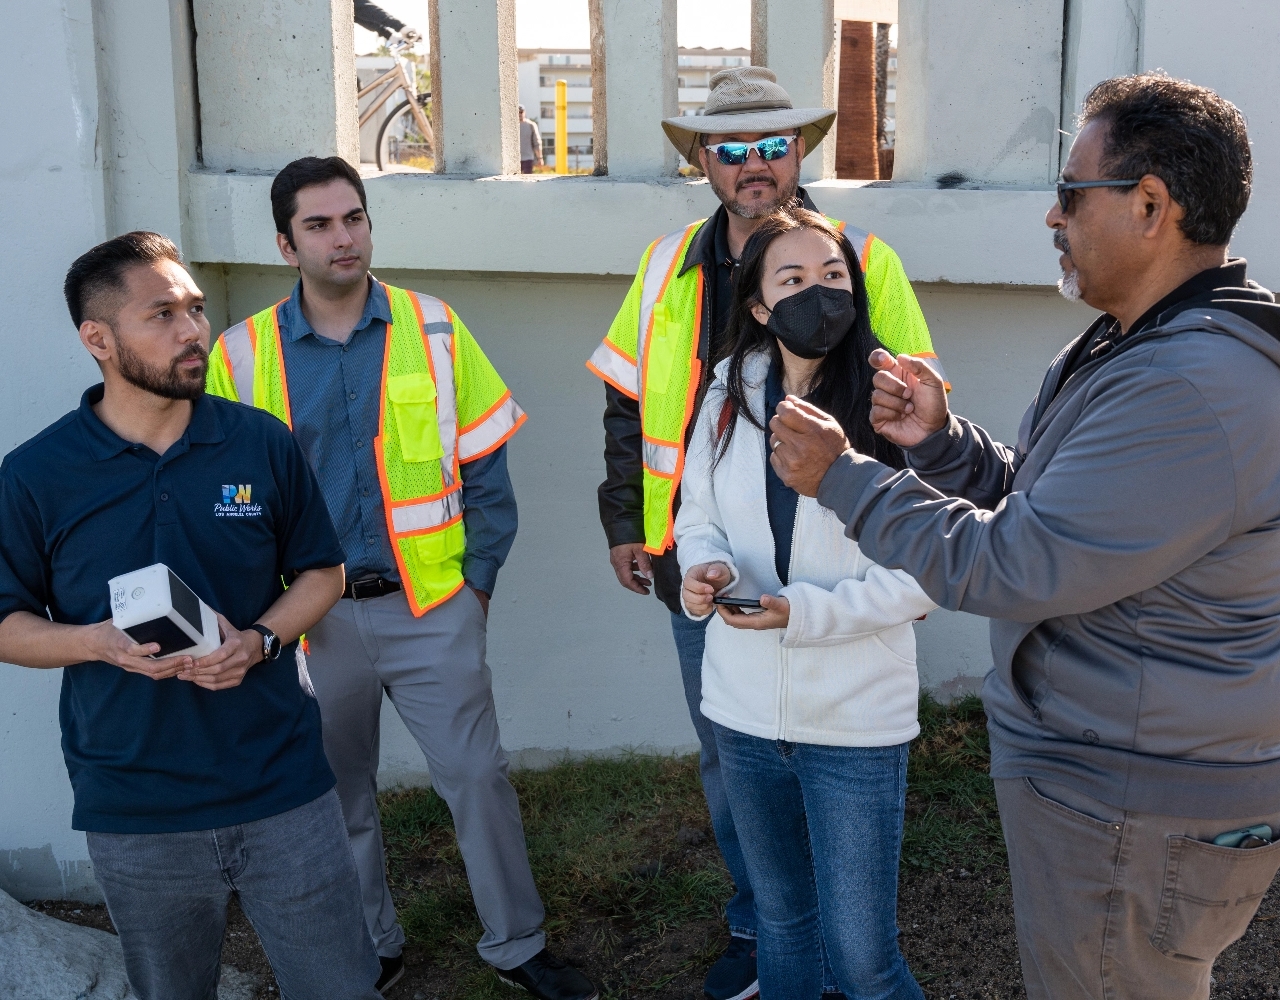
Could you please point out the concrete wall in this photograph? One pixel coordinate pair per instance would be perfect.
(979, 90)
(52, 189)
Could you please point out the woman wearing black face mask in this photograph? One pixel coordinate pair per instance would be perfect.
(813, 699)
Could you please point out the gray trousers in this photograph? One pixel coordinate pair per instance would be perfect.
(167, 895)
(1117, 905)
(433, 668)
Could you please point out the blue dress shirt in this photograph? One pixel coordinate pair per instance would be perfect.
(335, 391)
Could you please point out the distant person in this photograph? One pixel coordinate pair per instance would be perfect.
(1126, 550)
(373, 18)
(813, 699)
(193, 779)
(406, 423)
(530, 144)
(749, 142)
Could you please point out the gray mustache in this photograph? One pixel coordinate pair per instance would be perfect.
(1061, 243)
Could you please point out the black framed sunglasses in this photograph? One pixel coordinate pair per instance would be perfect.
(1067, 189)
(734, 154)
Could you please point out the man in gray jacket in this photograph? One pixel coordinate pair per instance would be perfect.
(1127, 550)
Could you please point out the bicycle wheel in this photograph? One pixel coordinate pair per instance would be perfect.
(401, 142)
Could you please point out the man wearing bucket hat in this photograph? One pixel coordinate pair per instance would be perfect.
(657, 358)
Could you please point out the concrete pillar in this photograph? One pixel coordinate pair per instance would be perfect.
(979, 88)
(640, 85)
(1102, 42)
(475, 87)
(277, 81)
(146, 69)
(599, 91)
(1231, 52)
(796, 39)
(857, 149)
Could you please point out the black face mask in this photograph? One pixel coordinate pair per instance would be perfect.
(811, 324)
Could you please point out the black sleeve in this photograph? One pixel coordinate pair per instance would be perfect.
(374, 18)
(621, 495)
(307, 539)
(24, 561)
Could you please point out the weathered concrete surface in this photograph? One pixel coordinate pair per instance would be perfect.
(48, 959)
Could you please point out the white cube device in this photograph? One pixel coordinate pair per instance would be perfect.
(153, 605)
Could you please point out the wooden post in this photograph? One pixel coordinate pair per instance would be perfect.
(857, 152)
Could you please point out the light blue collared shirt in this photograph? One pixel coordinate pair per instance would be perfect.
(335, 391)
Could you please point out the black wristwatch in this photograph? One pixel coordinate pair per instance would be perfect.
(270, 642)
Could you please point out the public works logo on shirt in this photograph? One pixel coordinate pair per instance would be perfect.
(236, 502)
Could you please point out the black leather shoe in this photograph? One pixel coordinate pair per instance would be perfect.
(549, 978)
(392, 972)
(733, 977)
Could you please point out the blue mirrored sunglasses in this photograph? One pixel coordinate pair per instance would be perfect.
(734, 154)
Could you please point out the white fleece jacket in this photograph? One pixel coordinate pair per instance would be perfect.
(844, 671)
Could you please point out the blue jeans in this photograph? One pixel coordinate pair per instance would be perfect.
(167, 895)
(821, 832)
(691, 640)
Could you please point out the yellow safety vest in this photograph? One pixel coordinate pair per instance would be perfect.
(651, 352)
(443, 404)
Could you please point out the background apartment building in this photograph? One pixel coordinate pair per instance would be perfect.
(541, 68)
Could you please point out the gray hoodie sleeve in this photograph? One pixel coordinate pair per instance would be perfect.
(1123, 503)
(962, 460)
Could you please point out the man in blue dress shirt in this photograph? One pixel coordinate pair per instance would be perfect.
(332, 335)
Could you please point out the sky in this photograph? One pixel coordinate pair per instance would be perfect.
(545, 24)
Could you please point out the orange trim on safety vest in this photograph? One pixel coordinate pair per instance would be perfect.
(413, 502)
(221, 346)
(695, 380)
(520, 422)
(866, 251)
(433, 529)
(619, 351)
(486, 414)
(629, 393)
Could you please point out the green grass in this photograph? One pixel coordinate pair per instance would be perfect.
(951, 801)
(595, 831)
(615, 881)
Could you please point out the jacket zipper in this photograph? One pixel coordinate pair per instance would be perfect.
(784, 653)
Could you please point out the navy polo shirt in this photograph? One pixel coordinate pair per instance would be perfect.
(79, 505)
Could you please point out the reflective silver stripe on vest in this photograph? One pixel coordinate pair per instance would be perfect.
(655, 276)
(240, 353)
(661, 458)
(611, 365)
(857, 239)
(428, 514)
(937, 368)
(435, 318)
(496, 426)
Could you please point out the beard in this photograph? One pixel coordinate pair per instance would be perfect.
(1069, 283)
(168, 383)
(755, 209)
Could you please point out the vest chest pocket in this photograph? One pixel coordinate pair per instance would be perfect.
(663, 336)
(413, 401)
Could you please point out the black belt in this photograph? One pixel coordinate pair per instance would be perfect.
(373, 586)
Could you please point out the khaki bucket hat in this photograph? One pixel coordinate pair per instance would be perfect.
(747, 99)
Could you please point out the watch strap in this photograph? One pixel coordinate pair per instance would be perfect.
(271, 644)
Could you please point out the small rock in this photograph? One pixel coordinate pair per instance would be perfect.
(690, 836)
(651, 870)
(46, 957)
(419, 996)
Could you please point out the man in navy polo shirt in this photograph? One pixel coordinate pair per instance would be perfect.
(193, 778)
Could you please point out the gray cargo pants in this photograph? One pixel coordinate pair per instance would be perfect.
(433, 668)
(1116, 905)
